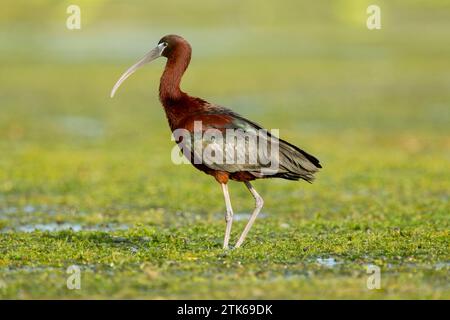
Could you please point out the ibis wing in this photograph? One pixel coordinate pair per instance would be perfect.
(234, 149)
(254, 150)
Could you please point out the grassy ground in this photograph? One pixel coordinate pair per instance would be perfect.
(88, 181)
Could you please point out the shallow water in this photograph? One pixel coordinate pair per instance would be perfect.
(327, 262)
(27, 209)
(245, 216)
(52, 227)
(442, 265)
(81, 126)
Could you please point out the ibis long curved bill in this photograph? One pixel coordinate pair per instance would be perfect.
(149, 57)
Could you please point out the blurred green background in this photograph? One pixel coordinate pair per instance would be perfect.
(88, 180)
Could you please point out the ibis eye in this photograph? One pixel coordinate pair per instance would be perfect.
(165, 44)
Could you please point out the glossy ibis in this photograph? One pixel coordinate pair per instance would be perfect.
(183, 111)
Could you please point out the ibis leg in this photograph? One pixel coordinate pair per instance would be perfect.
(228, 215)
(259, 202)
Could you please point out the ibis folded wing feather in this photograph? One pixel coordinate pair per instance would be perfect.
(268, 157)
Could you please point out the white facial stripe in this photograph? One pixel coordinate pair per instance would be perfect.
(161, 47)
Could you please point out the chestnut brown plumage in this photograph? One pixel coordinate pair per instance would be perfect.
(183, 111)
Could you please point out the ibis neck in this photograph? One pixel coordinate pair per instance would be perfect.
(169, 88)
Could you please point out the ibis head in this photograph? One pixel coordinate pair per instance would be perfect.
(169, 46)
